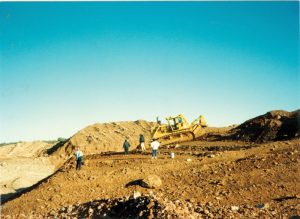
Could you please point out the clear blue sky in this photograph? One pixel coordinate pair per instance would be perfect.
(64, 66)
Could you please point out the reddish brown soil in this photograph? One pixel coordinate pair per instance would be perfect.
(205, 180)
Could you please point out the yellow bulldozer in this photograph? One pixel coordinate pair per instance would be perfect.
(178, 129)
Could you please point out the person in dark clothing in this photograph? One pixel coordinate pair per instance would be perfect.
(142, 142)
(126, 146)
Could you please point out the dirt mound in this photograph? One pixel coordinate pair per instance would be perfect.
(24, 149)
(274, 125)
(106, 137)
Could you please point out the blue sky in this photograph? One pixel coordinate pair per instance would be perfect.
(64, 66)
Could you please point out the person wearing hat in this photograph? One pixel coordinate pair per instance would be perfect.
(154, 145)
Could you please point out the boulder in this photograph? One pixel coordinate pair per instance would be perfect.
(151, 181)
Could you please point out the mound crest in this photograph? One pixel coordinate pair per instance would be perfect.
(105, 137)
(274, 125)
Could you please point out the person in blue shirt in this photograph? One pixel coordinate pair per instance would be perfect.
(79, 158)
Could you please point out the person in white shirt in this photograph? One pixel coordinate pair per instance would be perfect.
(154, 145)
(79, 158)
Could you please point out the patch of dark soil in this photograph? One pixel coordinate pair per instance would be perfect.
(274, 125)
(216, 136)
(56, 147)
(284, 198)
(138, 207)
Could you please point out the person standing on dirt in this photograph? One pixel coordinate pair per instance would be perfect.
(126, 146)
(142, 142)
(79, 158)
(154, 145)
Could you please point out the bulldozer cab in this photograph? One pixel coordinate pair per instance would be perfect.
(177, 122)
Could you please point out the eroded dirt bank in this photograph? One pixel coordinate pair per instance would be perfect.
(22, 165)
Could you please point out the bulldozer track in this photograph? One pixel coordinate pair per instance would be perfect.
(177, 138)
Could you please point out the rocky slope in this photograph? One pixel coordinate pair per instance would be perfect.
(274, 125)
